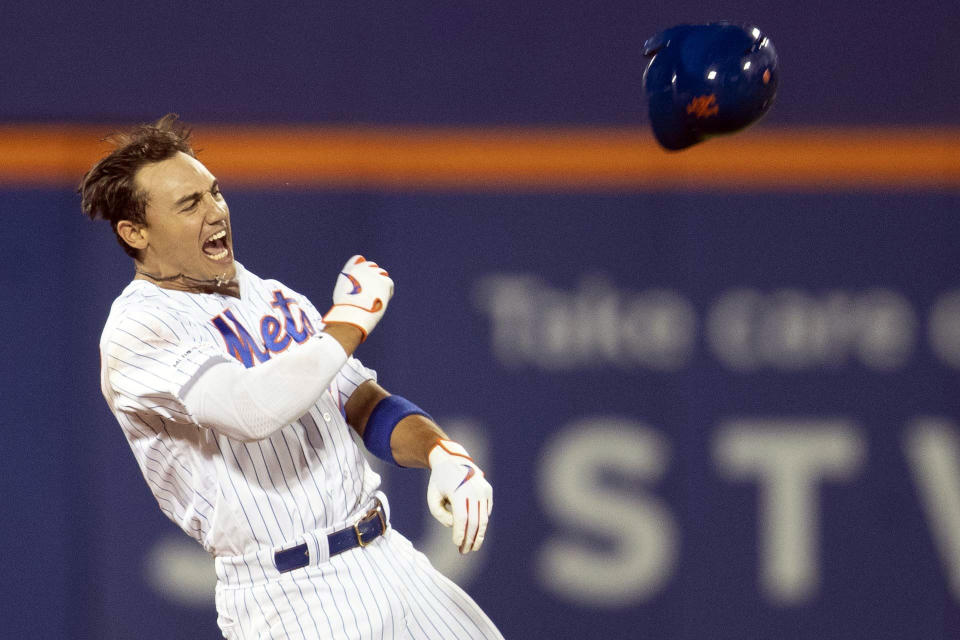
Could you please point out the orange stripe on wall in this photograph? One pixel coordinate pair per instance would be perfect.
(517, 158)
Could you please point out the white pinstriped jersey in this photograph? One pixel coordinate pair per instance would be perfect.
(232, 497)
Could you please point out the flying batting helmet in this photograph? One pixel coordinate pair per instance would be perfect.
(707, 79)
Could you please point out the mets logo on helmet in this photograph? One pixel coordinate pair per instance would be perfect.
(703, 106)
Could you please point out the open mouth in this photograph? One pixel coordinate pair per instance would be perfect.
(215, 246)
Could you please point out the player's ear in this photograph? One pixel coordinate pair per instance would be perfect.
(133, 234)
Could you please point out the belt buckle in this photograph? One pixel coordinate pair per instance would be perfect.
(356, 527)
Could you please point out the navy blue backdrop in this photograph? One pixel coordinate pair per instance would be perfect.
(620, 360)
(481, 62)
(723, 415)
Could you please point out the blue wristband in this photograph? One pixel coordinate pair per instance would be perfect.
(382, 421)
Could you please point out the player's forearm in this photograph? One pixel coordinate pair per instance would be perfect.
(251, 404)
(412, 440)
(347, 335)
(399, 425)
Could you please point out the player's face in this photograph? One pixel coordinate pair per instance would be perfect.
(187, 220)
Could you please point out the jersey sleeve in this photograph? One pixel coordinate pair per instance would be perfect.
(150, 359)
(351, 375)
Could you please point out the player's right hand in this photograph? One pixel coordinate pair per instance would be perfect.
(458, 495)
(361, 295)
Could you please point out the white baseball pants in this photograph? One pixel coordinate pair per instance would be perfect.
(387, 590)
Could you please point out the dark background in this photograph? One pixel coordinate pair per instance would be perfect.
(854, 326)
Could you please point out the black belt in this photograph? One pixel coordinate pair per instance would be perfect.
(371, 527)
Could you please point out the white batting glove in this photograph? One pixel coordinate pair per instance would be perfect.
(361, 295)
(458, 495)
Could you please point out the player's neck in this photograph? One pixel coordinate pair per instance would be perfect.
(182, 282)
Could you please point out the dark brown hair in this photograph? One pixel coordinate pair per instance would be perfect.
(108, 191)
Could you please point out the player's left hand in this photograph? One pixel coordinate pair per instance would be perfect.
(458, 495)
(361, 295)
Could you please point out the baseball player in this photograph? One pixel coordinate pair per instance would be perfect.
(236, 397)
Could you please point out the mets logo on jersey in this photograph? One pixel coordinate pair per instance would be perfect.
(276, 337)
